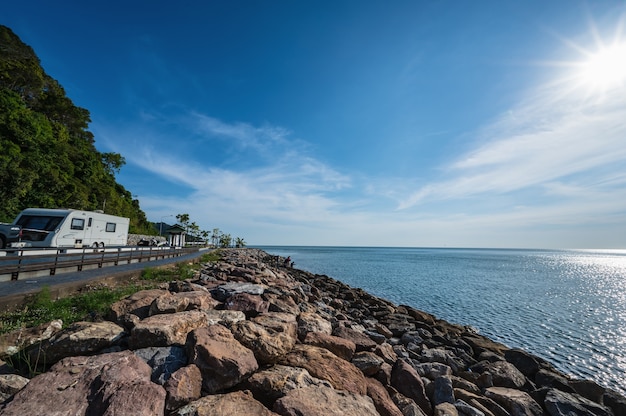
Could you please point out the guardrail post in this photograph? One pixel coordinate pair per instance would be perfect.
(16, 273)
(53, 269)
(82, 260)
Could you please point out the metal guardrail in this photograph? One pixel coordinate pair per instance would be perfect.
(48, 262)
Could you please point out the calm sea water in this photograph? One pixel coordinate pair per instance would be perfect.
(568, 306)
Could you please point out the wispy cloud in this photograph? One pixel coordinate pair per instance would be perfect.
(549, 136)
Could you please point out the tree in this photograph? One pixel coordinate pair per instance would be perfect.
(215, 237)
(48, 158)
(183, 219)
(225, 240)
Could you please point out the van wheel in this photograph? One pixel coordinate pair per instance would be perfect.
(101, 245)
(94, 245)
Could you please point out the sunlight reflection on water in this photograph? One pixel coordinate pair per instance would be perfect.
(568, 307)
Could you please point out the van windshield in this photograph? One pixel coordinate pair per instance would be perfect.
(40, 222)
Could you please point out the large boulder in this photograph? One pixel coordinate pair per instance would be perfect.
(516, 402)
(137, 304)
(164, 361)
(559, 403)
(362, 341)
(11, 384)
(341, 347)
(380, 396)
(323, 364)
(183, 387)
(315, 401)
(226, 318)
(312, 322)
(235, 403)
(107, 384)
(268, 345)
(166, 330)
(404, 379)
(251, 305)
(14, 341)
(223, 292)
(80, 338)
(273, 383)
(279, 322)
(223, 361)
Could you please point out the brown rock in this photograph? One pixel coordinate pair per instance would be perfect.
(323, 364)
(137, 304)
(165, 330)
(107, 384)
(279, 322)
(222, 360)
(281, 303)
(80, 338)
(14, 341)
(315, 401)
(382, 401)
(407, 405)
(183, 387)
(362, 341)
(11, 384)
(341, 347)
(236, 403)
(268, 345)
(312, 322)
(249, 304)
(198, 300)
(386, 352)
(168, 303)
(516, 402)
(405, 379)
(446, 409)
(271, 384)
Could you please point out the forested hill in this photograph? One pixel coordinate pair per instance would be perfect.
(47, 154)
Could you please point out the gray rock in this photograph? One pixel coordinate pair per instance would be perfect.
(443, 391)
(225, 291)
(559, 403)
(368, 362)
(467, 410)
(164, 361)
(404, 379)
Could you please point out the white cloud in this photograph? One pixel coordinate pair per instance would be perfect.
(550, 136)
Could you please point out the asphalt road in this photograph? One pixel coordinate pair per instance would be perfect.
(12, 291)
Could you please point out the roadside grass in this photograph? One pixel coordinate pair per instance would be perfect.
(92, 304)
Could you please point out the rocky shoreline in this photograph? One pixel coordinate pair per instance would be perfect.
(248, 336)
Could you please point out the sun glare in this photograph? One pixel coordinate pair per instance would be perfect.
(606, 68)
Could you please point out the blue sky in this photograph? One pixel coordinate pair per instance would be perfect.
(365, 123)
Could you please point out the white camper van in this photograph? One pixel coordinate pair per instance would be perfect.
(71, 228)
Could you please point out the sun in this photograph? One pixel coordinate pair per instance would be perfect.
(605, 68)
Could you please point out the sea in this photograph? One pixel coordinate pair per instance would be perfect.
(566, 306)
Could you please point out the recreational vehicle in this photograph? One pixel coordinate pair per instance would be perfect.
(71, 228)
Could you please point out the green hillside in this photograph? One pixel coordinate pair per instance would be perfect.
(47, 154)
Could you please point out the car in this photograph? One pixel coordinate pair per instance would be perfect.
(9, 233)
